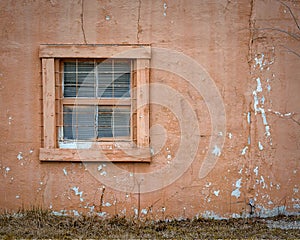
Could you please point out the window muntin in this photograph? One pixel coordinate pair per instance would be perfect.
(106, 82)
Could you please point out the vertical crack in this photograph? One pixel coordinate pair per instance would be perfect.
(251, 29)
(82, 21)
(139, 29)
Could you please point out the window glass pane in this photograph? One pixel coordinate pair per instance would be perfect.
(79, 122)
(105, 121)
(114, 122)
(114, 79)
(122, 85)
(67, 117)
(85, 79)
(69, 79)
(105, 89)
(121, 122)
(70, 67)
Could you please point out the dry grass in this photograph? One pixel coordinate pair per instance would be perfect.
(37, 223)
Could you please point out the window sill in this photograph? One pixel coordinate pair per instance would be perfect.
(95, 155)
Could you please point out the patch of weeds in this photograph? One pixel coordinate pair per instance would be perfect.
(39, 223)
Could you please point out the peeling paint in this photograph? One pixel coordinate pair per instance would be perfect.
(20, 156)
(107, 204)
(259, 61)
(10, 119)
(236, 193)
(262, 181)
(258, 88)
(7, 169)
(211, 215)
(165, 9)
(76, 214)
(144, 211)
(102, 214)
(249, 117)
(256, 171)
(260, 146)
(217, 192)
(244, 150)
(77, 193)
(216, 151)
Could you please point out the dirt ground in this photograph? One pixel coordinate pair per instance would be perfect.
(43, 224)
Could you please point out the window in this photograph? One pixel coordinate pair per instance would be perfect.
(105, 86)
(95, 97)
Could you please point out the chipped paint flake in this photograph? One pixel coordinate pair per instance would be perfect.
(244, 150)
(10, 120)
(65, 171)
(216, 151)
(258, 88)
(249, 117)
(107, 204)
(237, 193)
(165, 9)
(77, 193)
(76, 214)
(262, 181)
(256, 171)
(20, 156)
(259, 61)
(260, 146)
(144, 211)
(217, 193)
(101, 214)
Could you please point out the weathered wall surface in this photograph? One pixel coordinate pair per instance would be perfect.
(249, 48)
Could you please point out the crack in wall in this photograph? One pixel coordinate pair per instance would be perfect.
(138, 30)
(82, 21)
(251, 33)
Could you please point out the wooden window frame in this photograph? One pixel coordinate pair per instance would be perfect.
(112, 151)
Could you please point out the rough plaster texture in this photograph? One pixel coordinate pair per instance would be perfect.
(250, 49)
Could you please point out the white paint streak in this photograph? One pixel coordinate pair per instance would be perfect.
(65, 171)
